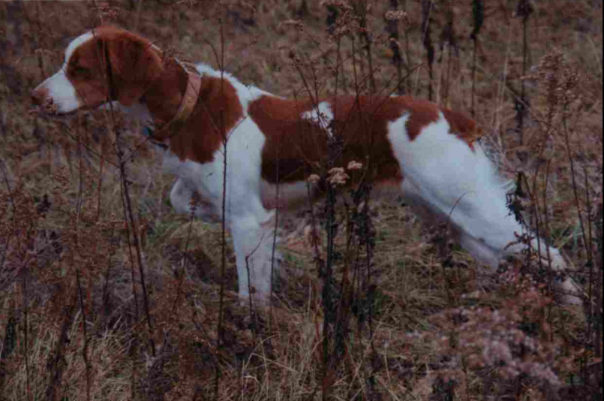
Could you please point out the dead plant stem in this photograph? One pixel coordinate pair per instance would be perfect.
(223, 221)
(26, 336)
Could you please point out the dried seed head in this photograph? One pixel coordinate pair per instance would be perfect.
(337, 176)
(313, 179)
(354, 165)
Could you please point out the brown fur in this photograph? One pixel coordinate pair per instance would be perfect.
(139, 72)
(216, 114)
(295, 146)
(463, 126)
(133, 63)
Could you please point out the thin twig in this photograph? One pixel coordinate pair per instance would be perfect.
(183, 270)
(26, 335)
(128, 210)
(478, 16)
(87, 365)
(223, 217)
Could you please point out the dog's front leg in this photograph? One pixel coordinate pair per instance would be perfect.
(253, 238)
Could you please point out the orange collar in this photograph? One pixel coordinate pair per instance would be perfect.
(187, 105)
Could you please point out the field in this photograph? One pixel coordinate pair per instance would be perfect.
(107, 294)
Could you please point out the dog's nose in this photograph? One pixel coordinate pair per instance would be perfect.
(37, 96)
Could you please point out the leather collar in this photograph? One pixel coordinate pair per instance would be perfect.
(187, 105)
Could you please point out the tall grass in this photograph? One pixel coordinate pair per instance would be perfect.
(107, 294)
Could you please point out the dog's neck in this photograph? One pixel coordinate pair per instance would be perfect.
(165, 95)
(212, 105)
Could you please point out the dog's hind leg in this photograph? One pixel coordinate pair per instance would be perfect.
(459, 184)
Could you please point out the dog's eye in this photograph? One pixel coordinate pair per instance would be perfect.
(79, 70)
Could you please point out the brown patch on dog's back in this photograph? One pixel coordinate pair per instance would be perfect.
(421, 114)
(295, 147)
(463, 126)
(293, 144)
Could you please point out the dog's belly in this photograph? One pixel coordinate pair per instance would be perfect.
(296, 195)
(286, 196)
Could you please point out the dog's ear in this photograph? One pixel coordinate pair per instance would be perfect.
(132, 65)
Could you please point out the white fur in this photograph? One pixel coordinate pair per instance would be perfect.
(250, 223)
(62, 92)
(77, 42)
(443, 178)
(58, 87)
(247, 93)
(458, 185)
(322, 116)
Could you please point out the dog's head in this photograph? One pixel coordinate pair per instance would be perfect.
(106, 64)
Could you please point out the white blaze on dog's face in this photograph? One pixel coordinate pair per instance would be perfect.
(58, 93)
(82, 81)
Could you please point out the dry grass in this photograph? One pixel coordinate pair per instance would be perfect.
(73, 319)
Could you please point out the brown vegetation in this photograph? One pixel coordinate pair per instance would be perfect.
(107, 294)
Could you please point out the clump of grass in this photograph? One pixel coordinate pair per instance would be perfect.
(410, 317)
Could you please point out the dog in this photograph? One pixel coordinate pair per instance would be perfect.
(272, 149)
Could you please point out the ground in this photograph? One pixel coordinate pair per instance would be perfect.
(88, 314)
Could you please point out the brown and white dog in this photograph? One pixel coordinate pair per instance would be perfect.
(425, 153)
